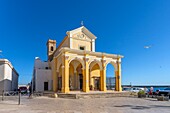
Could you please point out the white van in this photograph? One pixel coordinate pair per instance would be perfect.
(136, 89)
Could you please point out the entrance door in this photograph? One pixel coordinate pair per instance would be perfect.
(81, 81)
(45, 86)
(97, 83)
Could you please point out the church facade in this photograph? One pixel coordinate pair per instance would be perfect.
(75, 65)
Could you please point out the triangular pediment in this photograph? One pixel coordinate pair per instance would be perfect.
(81, 32)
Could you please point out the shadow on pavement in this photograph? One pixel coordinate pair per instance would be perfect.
(150, 99)
(160, 106)
(144, 107)
(7, 103)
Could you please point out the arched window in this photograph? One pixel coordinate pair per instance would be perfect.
(52, 48)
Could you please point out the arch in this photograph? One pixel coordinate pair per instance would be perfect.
(111, 80)
(113, 64)
(52, 48)
(95, 67)
(94, 62)
(77, 59)
(58, 65)
(75, 74)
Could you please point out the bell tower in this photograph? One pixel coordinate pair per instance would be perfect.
(51, 47)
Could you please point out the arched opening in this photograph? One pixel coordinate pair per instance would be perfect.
(60, 78)
(79, 77)
(71, 77)
(75, 75)
(110, 77)
(52, 48)
(94, 76)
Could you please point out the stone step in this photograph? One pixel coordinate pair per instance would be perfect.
(69, 96)
(94, 95)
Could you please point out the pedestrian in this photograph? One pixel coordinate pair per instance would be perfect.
(151, 91)
(145, 90)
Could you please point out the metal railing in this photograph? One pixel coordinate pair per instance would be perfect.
(15, 94)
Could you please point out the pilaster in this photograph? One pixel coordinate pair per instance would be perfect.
(86, 74)
(118, 77)
(65, 74)
(103, 76)
(93, 45)
(54, 75)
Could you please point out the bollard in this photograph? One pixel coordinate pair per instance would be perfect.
(2, 95)
(19, 99)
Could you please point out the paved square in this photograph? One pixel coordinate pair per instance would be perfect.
(95, 105)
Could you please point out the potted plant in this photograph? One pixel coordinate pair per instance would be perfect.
(141, 94)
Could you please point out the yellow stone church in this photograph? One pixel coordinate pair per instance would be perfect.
(77, 67)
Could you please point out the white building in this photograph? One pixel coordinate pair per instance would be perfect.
(8, 76)
(42, 79)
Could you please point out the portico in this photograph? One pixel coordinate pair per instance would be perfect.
(76, 66)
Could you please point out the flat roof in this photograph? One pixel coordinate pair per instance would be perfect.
(6, 61)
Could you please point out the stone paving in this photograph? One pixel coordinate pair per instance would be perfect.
(95, 105)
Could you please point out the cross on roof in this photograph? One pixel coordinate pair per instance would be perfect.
(82, 24)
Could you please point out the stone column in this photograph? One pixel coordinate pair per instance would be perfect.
(103, 80)
(86, 75)
(118, 77)
(54, 77)
(103, 76)
(65, 74)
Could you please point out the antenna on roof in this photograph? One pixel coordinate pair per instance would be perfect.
(82, 24)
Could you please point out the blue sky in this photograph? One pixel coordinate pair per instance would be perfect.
(121, 26)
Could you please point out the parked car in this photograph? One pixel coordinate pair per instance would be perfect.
(23, 89)
(127, 88)
(136, 89)
(133, 89)
(165, 92)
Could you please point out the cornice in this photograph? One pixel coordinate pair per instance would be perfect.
(81, 52)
